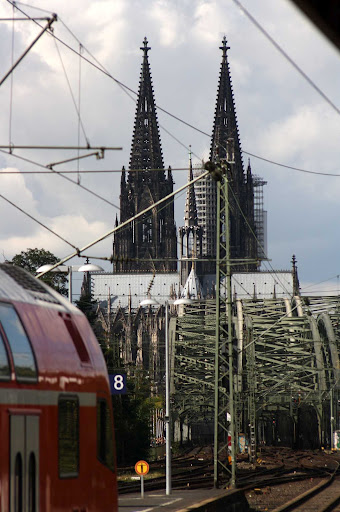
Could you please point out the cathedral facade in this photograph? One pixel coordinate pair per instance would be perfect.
(145, 259)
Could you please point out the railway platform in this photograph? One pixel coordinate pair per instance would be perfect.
(198, 500)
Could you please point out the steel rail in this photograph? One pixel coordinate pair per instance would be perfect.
(306, 497)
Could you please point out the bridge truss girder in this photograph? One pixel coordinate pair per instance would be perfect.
(285, 358)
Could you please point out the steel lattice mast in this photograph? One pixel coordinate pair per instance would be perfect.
(224, 397)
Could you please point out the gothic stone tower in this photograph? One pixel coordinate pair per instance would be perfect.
(149, 243)
(190, 235)
(225, 147)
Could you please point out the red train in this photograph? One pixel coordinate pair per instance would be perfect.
(56, 424)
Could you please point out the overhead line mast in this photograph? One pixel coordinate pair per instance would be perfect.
(49, 23)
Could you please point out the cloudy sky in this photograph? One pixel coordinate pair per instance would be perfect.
(281, 117)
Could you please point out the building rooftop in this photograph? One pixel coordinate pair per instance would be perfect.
(163, 286)
(135, 285)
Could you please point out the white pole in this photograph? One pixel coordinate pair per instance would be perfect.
(167, 405)
(70, 283)
(142, 486)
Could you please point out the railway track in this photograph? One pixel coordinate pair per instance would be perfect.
(324, 497)
(186, 477)
(278, 467)
(200, 475)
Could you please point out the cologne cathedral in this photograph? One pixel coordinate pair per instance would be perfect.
(152, 266)
(149, 258)
(150, 243)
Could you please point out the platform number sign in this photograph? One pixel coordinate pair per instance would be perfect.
(118, 383)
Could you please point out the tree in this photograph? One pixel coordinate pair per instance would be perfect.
(32, 259)
(132, 413)
(87, 305)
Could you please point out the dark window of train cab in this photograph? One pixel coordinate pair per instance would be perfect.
(23, 358)
(5, 373)
(78, 341)
(104, 435)
(68, 457)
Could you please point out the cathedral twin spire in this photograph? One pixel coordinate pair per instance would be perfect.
(225, 143)
(190, 212)
(151, 243)
(146, 151)
(225, 147)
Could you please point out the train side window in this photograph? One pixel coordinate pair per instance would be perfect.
(32, 484)
(18, 483)
(105, 451)
(23, 358)
(5, 372)
(68, 456)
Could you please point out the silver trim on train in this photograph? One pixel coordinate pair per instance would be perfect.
(38, 397)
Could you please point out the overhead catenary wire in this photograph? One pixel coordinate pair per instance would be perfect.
(37, 221)
(28, 172)
(321, 282)
(43, 225)
(61, 175)
(11, 85)
(173, 169)
(126, 88)
(31, 7)
(286, 56)
(123, 224)
(23, 19)
(281, 164)
(243, 151)
(77, 107)
(79, 113)
(332, 292)
(79, 104)
(44, 29)
(208, 135)
(91, 171)
(273, 162)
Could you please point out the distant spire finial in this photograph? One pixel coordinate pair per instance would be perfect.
(145, 48)
(296, 284)
(190, 174)
(190, 212)
(224, 46)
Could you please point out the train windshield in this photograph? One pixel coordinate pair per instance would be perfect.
(23, 358)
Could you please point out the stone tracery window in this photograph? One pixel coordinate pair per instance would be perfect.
(147, 229)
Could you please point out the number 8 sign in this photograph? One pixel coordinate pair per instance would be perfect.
(118, 383)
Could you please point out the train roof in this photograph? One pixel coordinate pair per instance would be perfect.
(66, 353)
(16, 284)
